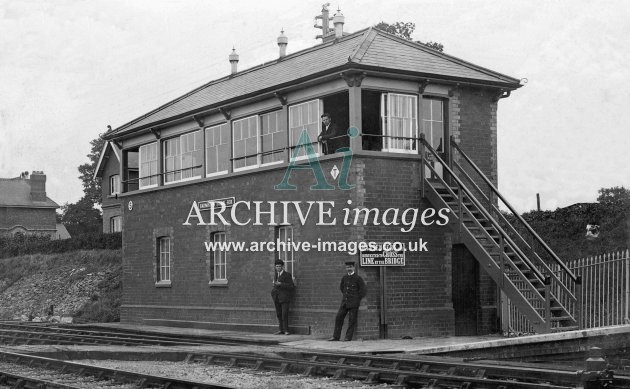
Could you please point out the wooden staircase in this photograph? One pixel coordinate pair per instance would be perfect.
(506, 247)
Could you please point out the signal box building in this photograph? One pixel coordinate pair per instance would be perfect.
(239, 147)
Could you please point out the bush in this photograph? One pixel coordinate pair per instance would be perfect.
(39, 244)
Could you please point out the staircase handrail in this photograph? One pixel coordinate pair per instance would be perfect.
(481, 208)
(511, 228)
(502, 217)
(518, 216)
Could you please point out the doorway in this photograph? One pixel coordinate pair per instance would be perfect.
(465, 291)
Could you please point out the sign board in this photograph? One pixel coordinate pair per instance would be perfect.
(228, 201)
(382, 258)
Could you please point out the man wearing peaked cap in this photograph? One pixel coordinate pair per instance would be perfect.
(353, 290)
(281, 294)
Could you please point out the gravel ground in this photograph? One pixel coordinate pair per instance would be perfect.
(240, 378)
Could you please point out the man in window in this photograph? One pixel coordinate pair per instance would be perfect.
(331, 137)
(282, 293)
(353, 289)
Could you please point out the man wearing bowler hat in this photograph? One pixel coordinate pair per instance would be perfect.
(281, 293)
(353, 289)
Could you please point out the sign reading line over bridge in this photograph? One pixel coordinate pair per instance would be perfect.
(382, 258)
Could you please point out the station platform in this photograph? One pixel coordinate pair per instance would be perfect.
(462, 346)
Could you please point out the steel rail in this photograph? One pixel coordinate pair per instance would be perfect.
(424, 371)
(71, 336)
(103, 373)
(20, 381)
(34, 337)
(131, 335)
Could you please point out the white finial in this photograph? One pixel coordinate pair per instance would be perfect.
(283, 41)
(234, 60)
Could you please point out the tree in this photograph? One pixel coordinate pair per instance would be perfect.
(400, 29)
(404, 30)
(615, 196)
(81, 217)
(91, 187)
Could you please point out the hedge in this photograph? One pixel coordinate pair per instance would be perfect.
(39, 244)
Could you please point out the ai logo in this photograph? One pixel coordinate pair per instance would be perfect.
(314, 165)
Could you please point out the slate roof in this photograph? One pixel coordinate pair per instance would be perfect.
(16, 192)
(367, 49)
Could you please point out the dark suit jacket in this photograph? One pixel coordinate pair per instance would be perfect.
(332, 138)
(284, 292)
(353, 289)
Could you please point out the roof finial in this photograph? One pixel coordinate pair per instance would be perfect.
(283, 41)
(234, 60)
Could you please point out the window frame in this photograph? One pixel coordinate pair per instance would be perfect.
(114, 184)
(113, 221)
(279, 129)
(283, 234)
(150, 177)
(179, 157)
(228, 145)
(219, 268)
(386, 107)
(245, 156)
(292, 144)
(164, 260)
(431, 121)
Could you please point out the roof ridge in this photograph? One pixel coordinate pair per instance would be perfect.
(363, 46)
(448, 57)
(242, 72)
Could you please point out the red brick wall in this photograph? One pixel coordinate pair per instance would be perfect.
(477, 122)
(42, 219)
(418, 295)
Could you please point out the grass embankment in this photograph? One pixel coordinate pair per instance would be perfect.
(85, 285)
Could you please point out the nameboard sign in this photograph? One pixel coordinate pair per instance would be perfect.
(228, 201)
(382, 258)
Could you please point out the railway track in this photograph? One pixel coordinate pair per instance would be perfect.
(29, 371)
(430, 372)
(15, 334)
(425, 373)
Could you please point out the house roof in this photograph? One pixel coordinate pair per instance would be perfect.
(16, 192)
(62, 232)
(104, 156)
(366, 49)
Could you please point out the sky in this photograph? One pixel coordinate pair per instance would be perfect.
(69, 68)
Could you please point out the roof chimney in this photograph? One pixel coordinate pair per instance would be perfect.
(38, 186)
(233, 60)
(338, 21)
(283, 41)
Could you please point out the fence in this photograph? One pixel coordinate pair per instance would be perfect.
(605, 293)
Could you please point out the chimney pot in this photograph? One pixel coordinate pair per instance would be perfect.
(283, 41)
(234, 60)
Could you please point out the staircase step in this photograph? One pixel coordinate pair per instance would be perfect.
(565, 328)
(561, 318)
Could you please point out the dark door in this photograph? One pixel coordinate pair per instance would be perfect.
(465, 291)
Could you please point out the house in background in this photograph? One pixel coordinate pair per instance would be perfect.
(24, 206)
(108, 171)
